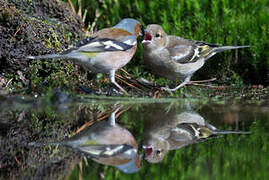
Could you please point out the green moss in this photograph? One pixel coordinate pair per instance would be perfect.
(35, 28)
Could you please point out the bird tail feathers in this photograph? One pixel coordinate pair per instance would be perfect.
(231, 132)
(48, 56)
(41, 144)
(224, 48)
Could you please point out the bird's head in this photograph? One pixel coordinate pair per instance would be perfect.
(131, 25)
(155, 150)
(154, 37)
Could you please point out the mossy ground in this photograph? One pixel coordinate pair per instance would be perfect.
(33, 28)
(41, 27)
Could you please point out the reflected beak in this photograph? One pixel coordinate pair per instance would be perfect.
(148, 150)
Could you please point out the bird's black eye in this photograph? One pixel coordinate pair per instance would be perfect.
(158, 35)
(158, 152)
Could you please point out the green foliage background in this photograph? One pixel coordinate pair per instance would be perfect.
(227, 22)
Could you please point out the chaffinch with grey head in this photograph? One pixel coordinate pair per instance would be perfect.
(106, 50)
(165, 131)
(176, 58)
(107, 143)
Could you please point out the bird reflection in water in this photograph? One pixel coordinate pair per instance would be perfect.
(107, 143)
(171, 129)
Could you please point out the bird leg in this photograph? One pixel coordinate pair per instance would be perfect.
(112, 117)
(186, 81)
(113, 81)
(112, 121)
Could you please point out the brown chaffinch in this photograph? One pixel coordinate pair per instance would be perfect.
(176, 58)
(107, 143)
(106, 50)
(172, 130)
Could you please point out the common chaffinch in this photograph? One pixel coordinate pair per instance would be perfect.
(176, 58)
(106, 50)
(107, 143)
(171, 130)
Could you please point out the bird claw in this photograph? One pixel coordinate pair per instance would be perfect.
(166, 89)
(117, 91)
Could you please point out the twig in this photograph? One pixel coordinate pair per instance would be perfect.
(196, 83)
(101, 117)
(125, 82)
(89, 123)
(9, 82)
(79, 8)
(123, 70)
(122, 111)
(16, 159)
(134, 81)
(72, 7)
(15, 34)
(201, 81)
(209, 86)
(91, 27)
(156, 94)
(145, 85)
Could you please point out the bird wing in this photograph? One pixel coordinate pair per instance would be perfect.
(104, 150)
(197, 131)
(188, 51)
(95, 44)
(109, 39)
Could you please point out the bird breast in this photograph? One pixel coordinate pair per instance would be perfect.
(106, 61)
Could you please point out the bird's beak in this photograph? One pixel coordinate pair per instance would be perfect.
(148, 150)
(147, 38)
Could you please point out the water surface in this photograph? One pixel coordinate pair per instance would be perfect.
(91, 138)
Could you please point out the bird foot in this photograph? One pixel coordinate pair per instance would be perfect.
(121, 89)
(124, 92)
(167, 89)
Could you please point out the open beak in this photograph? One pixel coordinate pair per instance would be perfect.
(148, 150)
(147, 38)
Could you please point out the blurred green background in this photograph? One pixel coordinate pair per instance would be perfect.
(226, 22)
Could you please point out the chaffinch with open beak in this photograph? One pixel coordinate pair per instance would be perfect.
(176, 58)
(107, 143)
(165, 131)
(106, 50)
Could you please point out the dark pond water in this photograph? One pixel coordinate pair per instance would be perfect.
(60, 137)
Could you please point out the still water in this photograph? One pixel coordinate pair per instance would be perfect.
(62, 137)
